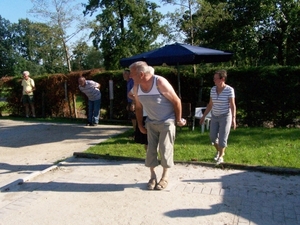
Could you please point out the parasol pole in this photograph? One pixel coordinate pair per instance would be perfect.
(178, 80)
(200, 91)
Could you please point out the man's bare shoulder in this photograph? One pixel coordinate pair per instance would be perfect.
(163, 83)
(161, 80)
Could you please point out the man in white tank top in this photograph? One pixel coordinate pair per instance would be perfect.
(156, 96)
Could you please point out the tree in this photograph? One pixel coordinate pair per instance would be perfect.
(6, 50)
(61, 15)
(281, 31)
(124, 28)
(213, 25)
(182, 20)
(258, 32)
(86, 57)
(40, 52)
(29, 46)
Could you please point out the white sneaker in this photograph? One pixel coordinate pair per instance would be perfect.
(220, 160)
(216, 157)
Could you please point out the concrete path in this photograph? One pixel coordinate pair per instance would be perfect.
(91, 191)
(27, 146)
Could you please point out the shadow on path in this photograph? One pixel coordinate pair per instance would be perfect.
(268, 199)
(44, 133)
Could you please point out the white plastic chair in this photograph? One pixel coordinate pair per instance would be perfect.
(198, 115)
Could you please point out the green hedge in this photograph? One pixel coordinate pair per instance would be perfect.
(263, 94)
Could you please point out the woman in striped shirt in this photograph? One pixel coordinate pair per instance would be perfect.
(223, 111)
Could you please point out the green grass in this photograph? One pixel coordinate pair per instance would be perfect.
(79, 101)
(3, 108)
(278, 147)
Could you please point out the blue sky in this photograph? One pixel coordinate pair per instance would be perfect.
(13, 10)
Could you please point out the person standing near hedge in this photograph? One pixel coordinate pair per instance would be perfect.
(27, 93)
(92, 90)
(130, 108)
(223, 111)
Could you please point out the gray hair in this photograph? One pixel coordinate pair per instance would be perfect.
(142, 66)
(151, 70)
(26, 73)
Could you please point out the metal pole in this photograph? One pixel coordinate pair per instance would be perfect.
(178, 80)
(200, 91)
(111, 98)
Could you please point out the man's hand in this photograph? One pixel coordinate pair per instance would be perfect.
(143, 130)
(181, 123)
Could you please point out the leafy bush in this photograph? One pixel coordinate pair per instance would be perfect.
(263, 94)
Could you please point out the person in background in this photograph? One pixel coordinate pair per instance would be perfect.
(223, 112)
(92, 90)
(27, 93)
(139, 137)
(130, 107)
(156, 96)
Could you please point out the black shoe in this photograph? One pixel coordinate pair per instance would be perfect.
(94, 124)
(89, 124)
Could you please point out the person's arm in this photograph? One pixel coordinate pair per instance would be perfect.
(93, 84)
(131, 94)
(207, 110)
(138, 110)
(233, 111)
(32, 85)
(96, 85)
(168, 91)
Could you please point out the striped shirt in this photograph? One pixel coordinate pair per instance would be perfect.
(221, 101)
(90, 90)
(157, 107)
